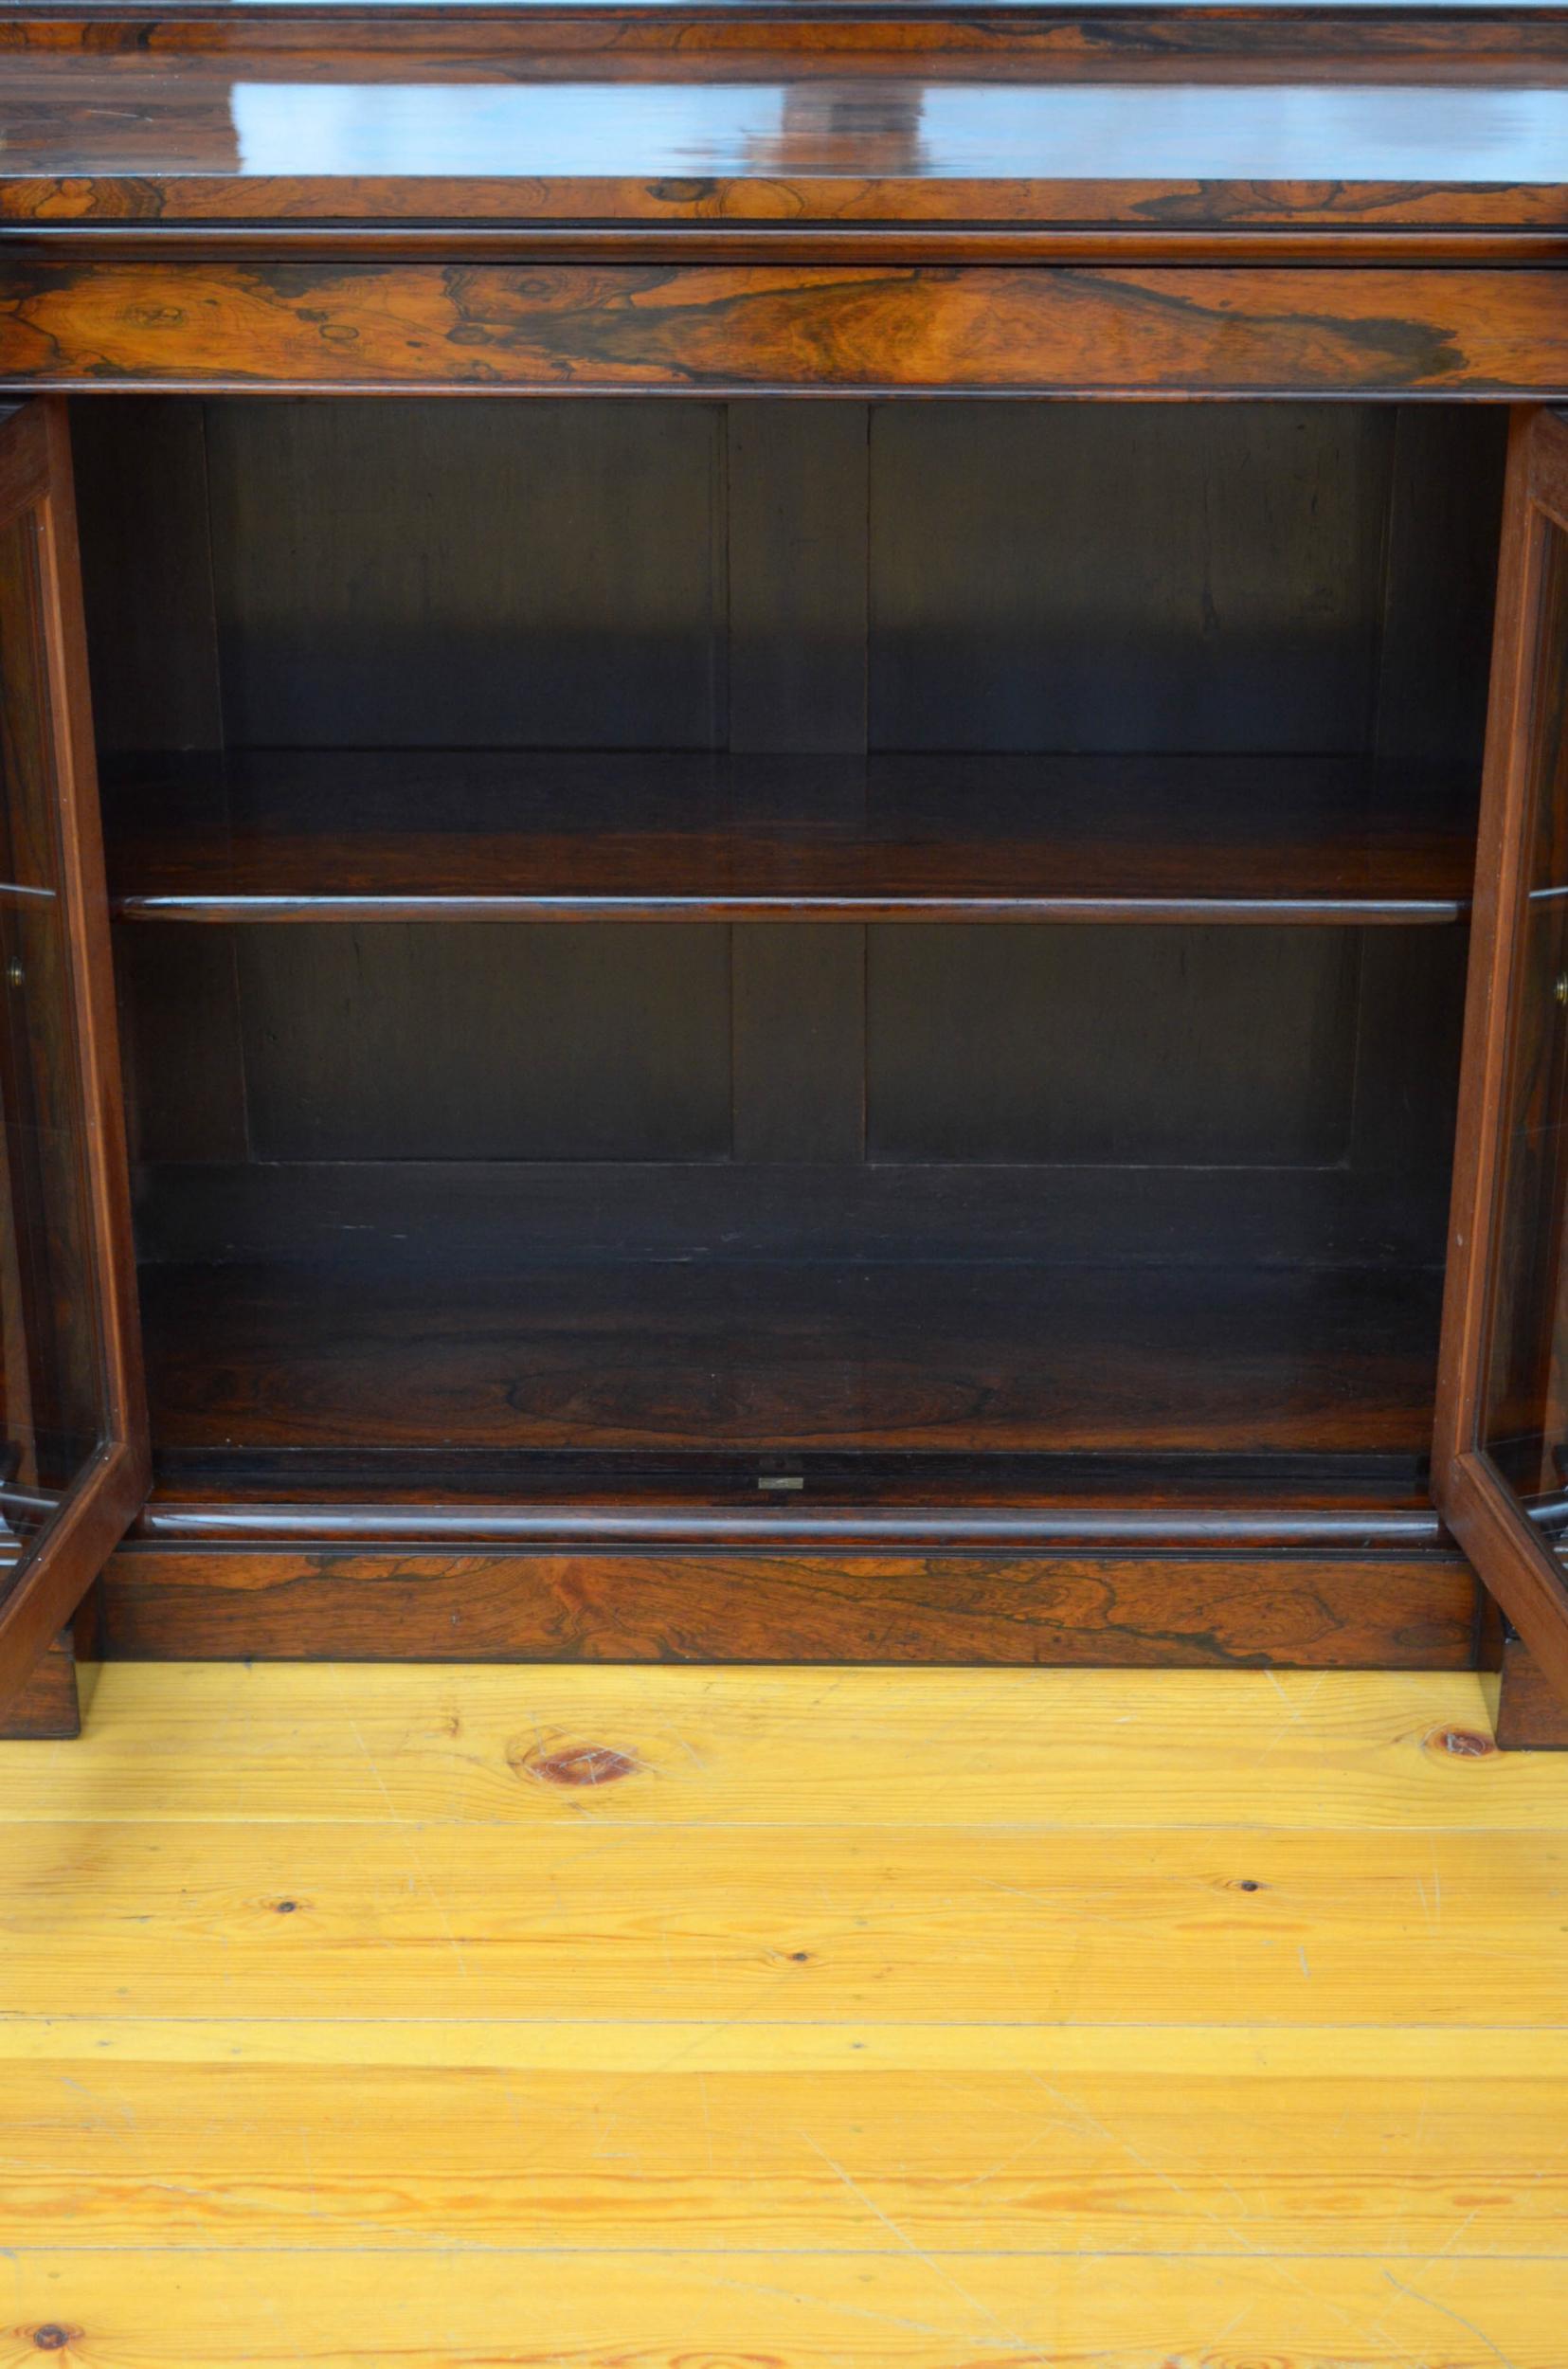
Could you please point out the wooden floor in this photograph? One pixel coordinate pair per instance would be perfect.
(782, 2020)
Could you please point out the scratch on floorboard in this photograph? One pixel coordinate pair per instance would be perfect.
(1449, 2313)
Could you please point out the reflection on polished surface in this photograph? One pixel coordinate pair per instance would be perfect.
(1176, 121)
(976, 131)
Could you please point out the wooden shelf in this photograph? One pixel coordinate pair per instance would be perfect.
(342, 836)
(1332, 1504)
(427, 1353)
(623, 1352)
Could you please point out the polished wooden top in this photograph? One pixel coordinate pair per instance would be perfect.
(1185, 118)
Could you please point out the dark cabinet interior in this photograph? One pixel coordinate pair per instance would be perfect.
(866, 953)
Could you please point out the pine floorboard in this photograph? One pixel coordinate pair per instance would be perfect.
(669, 2018)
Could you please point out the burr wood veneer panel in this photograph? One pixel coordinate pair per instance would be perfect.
(822, 329)
(1215, 1611)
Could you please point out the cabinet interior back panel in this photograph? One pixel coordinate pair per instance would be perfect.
(435, 1040)
(466, 575)
(1112, 1045)
(1080, 576)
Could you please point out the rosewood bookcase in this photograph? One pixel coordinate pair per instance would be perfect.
(871, 961)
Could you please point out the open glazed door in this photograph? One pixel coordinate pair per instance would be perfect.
(1499, 1467)
(73, 1434)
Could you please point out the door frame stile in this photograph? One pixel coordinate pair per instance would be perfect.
(35, 471)
(1508, 1552)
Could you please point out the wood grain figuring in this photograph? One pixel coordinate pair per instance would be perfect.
(837, 2310)
(487, 327)
(639, 35)
(177, 2172)
(1017, 1919)
(433, 1749)
(774, 1357)
(849, 2313)
(1211, 1609)
(939, 2018)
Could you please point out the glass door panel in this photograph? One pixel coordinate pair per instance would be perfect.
(71, 1452)
(1524, 1416)
(1501, 1463)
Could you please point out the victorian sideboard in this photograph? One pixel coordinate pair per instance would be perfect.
(786, 835)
